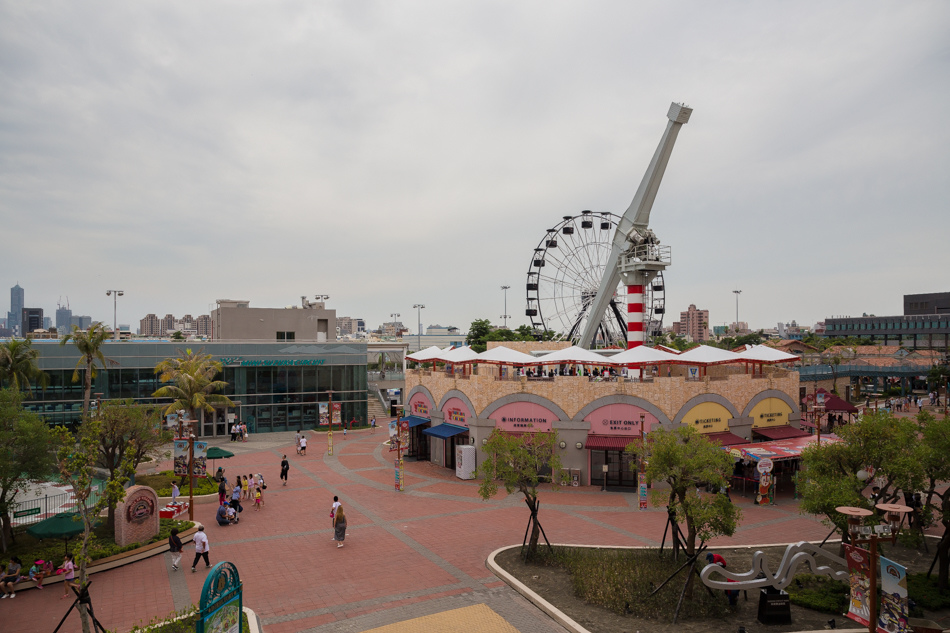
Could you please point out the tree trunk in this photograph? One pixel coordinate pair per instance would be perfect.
(87, 388)
(83, 614)
(6, 534)
(535, 527)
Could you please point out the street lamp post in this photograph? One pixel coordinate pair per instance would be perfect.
(871, 535)
(115, 294)
(506, 316)
(737, 293)
(419, 307)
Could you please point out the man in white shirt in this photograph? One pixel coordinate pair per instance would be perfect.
(303, 444)
(201, 548)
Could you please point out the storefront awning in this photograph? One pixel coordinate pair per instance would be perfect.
(415, 420)
(780, 432)
(779, 449)
(444, 431)
(726, 439)
(609, 442)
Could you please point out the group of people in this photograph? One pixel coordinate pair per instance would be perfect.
(238, 431)
(40, 569)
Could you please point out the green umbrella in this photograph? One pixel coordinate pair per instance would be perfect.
(64, 525)
(218, 453)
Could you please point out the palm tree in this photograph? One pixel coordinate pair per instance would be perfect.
(193, 383)
(89, 343)
(18, 366)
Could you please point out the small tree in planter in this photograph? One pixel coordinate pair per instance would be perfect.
(519, 463)
(76, 458)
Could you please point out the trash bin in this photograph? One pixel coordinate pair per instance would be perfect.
(775, 607)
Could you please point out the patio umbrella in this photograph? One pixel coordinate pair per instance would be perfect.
(217, 453)
(64, 525)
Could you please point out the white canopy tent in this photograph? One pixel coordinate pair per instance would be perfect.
(767, 355)
(706, 355)
(424, 355)
(502, 355)
(457, 356)
(574, 355)
(643, 355)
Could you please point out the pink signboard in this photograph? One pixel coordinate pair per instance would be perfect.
(420, 405)
(619, 419)
(456, 412)
(523, 417)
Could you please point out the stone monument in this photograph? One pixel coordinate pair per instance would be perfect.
(136, 518)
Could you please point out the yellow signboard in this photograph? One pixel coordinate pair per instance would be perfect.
(770, 412)
(708, 417)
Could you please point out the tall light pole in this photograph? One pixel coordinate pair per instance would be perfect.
(394, 316)
(321, 297)
(505, 316)
(115, 294)
(419, 307)
(737, 293)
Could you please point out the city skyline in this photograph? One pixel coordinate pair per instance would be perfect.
(395, 154)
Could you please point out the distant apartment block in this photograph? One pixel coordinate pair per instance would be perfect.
(349, 326)
(236, 320)
(189, 326)
(693, 323)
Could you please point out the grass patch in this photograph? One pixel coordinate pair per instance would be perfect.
(162, 484)
(186, 623)
(101, 544)
(622, 580)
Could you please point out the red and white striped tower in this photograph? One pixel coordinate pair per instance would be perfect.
(634, 316)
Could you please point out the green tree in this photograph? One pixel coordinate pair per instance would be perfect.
(77, 457)
(834, 363)
(477, 332)
(89, 343)
(18, 368)
(24, 457)
(684, 459)
(178, 336)
(193, 386)
(519, 463)
(934, 459)
(878, 443)
(128, 428)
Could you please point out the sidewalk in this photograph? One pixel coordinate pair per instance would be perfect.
(408, 554)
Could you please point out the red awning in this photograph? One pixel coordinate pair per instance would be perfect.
(808, 424)
(780, 432)
(609, 442)
(726, 439)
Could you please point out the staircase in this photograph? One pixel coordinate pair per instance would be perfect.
(375, 410)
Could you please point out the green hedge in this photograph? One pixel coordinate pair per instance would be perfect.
(162, 484)
(819, 593)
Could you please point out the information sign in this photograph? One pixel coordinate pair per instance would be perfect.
(27, 512)
(765, 465)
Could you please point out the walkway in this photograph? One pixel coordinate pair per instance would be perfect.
(408, 554)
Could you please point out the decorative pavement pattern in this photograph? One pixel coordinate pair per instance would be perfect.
(412, 561)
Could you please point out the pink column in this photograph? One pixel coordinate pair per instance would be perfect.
(634, 316)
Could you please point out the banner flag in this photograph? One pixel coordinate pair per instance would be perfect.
(894, 608)
(324, 414)
(859, 573)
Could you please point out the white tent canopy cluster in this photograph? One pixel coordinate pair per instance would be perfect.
(702, 355)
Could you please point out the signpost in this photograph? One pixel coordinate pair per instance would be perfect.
(222, 601)
(764, 467)
(25, 513)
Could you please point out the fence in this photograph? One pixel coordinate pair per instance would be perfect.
(41, 508)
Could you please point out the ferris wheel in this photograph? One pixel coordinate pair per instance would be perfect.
(565, 274)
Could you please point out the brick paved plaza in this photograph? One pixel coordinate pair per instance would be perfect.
(407, 554)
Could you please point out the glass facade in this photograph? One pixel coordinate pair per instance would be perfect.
(277, 388)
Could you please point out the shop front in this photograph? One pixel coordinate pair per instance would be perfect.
(712, 420)
(447, 437)
(770, 421)
(612, 428)
(419, 409)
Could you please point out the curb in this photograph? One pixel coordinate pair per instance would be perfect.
(559, 616)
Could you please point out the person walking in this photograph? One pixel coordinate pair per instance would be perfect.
(297, 441)
(372, 424)
(284, 469)
(69, 574)
(336, 504)
(258, 500)
(201, 549)
(303, 445)
(174, 548)
(234, 431)
(236, 497)
(222, 492)
(339, 526)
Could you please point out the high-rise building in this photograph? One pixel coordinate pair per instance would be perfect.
(81, 321)
(694, 323)
(47, 323)
(203, 325)
(16, 309)
(64, 318)
(149, 326)
(166, 325)
(350, 325)
(30, 319)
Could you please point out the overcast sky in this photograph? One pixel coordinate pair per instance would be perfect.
(391, 153)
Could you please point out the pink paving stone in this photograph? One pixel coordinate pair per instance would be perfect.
(354, 462)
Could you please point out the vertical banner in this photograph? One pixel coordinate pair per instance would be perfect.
(894, 608)
(324, 414)
(393, 431)
(181, 458)
(642, 485)
(337, 408)
(859, 569)
(201, 460)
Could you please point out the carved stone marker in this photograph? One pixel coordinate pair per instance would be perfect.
(136, 518)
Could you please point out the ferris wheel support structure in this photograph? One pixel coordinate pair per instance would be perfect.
(636, 255)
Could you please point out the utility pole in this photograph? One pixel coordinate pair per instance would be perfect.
(115, 294)
(419, 308)
(737, 293)
(506, 316)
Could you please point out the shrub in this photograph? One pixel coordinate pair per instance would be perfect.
(622, 580)
(162, 484)
(925, 593)
(819, 593)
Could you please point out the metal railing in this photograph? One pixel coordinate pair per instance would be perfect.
(49, 505)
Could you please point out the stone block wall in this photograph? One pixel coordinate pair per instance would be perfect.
(136, 518)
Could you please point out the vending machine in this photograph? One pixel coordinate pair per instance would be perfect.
(465, 461)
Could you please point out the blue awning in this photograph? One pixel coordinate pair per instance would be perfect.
(415, 420)
(445, 430)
